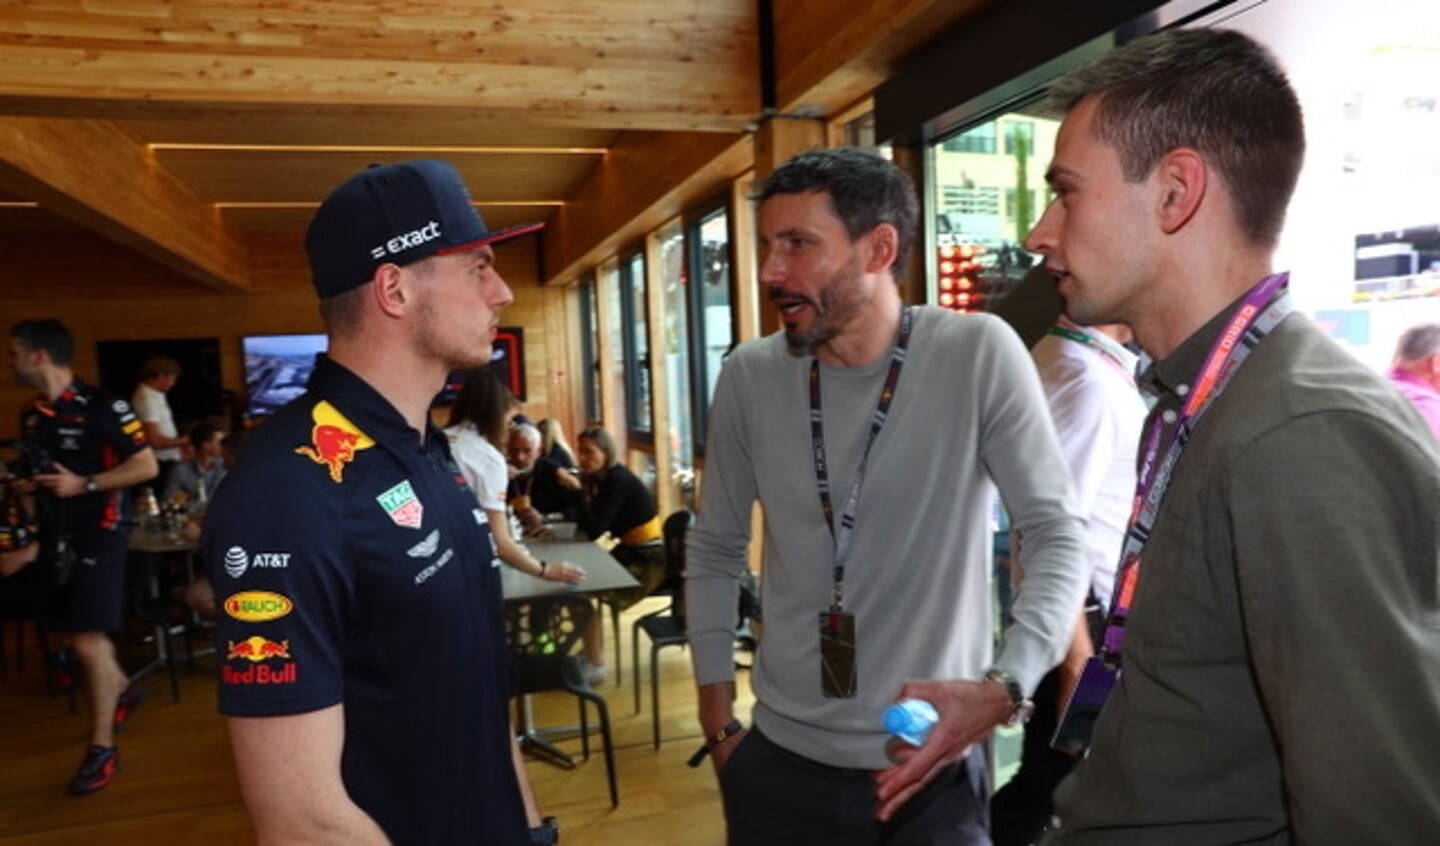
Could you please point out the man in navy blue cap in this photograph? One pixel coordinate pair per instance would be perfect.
(363, 664)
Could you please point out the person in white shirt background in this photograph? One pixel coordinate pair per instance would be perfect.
(1089, 381)
(158, 375)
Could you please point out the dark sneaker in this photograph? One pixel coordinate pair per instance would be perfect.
(130, 699)
(99, 767)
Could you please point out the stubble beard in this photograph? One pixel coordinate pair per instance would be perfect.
(840, 300)
(428, 344)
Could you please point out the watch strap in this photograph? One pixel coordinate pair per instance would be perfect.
(548, 832)
(731, 729)
(1021, 707)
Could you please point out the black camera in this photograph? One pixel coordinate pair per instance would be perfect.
(23, 459)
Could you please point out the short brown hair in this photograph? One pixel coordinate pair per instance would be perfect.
(1215, 91)
(159, 365)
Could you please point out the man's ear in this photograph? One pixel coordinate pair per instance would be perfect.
(390, 290)
(884, 242)
(1183, 178)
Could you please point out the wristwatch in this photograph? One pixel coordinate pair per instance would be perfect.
(547, 832)
(91, 486)
(1020, 707)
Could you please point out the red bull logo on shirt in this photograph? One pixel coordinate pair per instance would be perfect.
(258, 606)
(257, 649)
(335, 440)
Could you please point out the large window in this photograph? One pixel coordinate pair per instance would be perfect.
(985, 205)
(1362, 234)
(634, 319)
(712, 315)
(977, 139)
(676, 334)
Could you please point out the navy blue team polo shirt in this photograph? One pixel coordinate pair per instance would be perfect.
(87, 430)
(353, 565)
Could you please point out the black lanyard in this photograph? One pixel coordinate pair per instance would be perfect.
(822, 474)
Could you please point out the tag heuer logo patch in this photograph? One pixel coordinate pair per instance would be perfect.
(402, 505)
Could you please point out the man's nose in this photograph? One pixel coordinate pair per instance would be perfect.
(772, 269)
(1042, 235)
(503, 296)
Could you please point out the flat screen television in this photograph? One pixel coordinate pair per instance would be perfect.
(507, 362)
(277, 368)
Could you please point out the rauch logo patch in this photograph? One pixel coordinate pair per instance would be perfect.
(258, 606)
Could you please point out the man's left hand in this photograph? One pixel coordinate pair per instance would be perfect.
(969, 711)
(61, 481)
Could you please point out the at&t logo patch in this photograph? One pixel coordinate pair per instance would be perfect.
(237, 561)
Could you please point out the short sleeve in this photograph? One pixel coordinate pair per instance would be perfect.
(119, 428)
(277, 563)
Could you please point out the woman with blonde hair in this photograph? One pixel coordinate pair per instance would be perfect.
(553, 444)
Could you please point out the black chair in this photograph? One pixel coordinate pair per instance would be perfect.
(665, 627)
(542, 634)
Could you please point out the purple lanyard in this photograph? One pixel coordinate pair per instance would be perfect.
(1264, 306)
(817, 445)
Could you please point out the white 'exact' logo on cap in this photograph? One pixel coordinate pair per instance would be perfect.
(405, 241)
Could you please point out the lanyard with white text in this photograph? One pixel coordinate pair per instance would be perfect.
(1263, 308)
(822, 475)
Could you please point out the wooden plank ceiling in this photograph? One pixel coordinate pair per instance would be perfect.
(145, 120)
(185, 131)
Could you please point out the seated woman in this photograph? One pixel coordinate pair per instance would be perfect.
(614, 501)
(477, 424)
(553, 444)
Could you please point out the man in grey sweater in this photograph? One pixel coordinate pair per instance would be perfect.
(873, 436)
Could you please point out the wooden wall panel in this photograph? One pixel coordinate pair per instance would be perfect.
(283, 302)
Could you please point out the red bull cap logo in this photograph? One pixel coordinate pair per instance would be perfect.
(334, 440)
(258, 606)
(256, 648)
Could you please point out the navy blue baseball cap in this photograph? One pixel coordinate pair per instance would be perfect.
(394, 214)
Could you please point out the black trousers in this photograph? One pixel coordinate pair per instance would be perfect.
(1021, 810)
(774, 797)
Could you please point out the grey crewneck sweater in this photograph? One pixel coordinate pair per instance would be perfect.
(968, 416)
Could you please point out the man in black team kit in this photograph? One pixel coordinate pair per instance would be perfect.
(96, 448)
(363, 663)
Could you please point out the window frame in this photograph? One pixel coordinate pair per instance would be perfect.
(694, 259)
(632, 325)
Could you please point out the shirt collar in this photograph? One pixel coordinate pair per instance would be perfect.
(364, 406)
(1173, 375)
